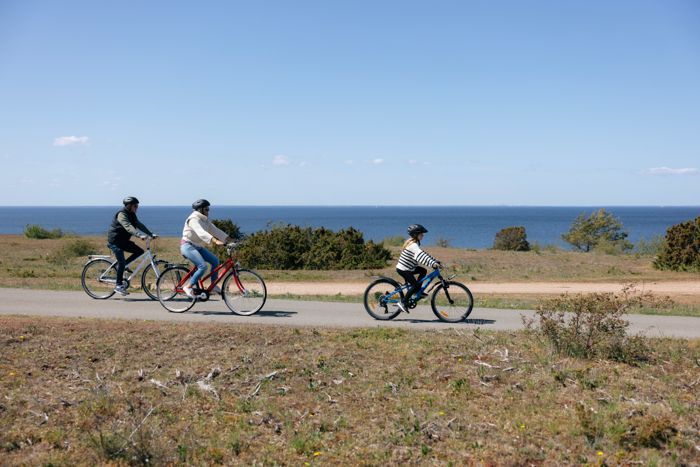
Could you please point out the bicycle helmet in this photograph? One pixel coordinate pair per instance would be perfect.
(130, 200)
(415, 229)
(200, 203)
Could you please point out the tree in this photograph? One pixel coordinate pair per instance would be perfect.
(598, 228)
(511, 239)
(681, 249)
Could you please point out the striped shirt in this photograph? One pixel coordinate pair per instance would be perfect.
(411, 255)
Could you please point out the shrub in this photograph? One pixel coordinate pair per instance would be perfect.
(74, 249)
(443, 243)
(511, 239)
(232, 230)
(592, 325)
(651, 247)
(294, 247)
(599, 227)
(38, 232)
(681, 250)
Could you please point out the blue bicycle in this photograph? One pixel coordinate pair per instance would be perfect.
(451, 301)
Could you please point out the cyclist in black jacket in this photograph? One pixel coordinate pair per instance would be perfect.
(124, 225)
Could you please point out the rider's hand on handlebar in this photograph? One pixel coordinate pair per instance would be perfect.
(437, 265)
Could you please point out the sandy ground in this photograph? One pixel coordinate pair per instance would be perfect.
(674, 288)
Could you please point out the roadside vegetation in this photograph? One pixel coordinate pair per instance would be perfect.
(87, 392)
(56, 264)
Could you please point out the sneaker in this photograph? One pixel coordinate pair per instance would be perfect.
(188, 290)
(216, 290)
(121, 290)
(402, 307)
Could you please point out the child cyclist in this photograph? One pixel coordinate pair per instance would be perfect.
(411, 255)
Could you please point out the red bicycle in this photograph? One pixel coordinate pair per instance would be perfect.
(243, 290)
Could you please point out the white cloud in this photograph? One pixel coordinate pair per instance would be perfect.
(377, 161)
(348, 162)
(280, 159)
(670, 171)
(412, 162)
(71, 141)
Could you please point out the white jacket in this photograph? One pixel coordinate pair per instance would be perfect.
(199, 230)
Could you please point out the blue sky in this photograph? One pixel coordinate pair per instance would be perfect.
(350, 103)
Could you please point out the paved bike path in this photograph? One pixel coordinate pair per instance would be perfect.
(295, 313)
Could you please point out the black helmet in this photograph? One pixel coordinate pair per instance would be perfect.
(130, 200)
(415, 229)
(200, 203)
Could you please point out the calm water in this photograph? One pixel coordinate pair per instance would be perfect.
(463, 226)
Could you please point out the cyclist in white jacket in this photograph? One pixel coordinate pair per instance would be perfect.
(198, 232)
(411, 256)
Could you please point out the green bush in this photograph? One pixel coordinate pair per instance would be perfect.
(651, 247)
(599, 227)
(38, 232)
(592, 325)
(294, 247)
(511, 239)
(443, 242)
(75, 249)
(232, 230)
(681, 250)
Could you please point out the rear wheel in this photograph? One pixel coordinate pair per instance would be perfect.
(452, 302)
(382, 297)
(244, 292)
(99, 278)
(149, 278)
(169, 290)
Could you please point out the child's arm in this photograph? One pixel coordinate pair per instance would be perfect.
(422, 257)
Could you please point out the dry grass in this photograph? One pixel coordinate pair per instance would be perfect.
(88, 392)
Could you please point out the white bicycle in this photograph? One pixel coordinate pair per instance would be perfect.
(100, 274)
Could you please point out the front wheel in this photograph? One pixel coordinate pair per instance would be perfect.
(169, 290)
(452, 302)
(382, 297)
(99, 278)
(244, 292)
(149, 278)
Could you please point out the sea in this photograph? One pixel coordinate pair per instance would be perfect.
(461, 226)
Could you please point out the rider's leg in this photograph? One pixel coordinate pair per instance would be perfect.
(411, 281)
(210, 258)
(121, 262)
(132, 248)
(422, 272)
(193, 254)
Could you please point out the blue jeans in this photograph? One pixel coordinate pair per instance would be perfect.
(200, 256)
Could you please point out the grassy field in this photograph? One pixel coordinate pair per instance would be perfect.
(94, 391)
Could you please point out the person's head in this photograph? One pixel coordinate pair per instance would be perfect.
(416, 231)
(131, 203)
(202, 206)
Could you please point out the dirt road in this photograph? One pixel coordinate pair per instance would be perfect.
(295, 313)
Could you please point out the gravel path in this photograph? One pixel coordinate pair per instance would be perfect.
(295, 313)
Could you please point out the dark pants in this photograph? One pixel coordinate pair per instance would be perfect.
(410, 279)
(119, 250)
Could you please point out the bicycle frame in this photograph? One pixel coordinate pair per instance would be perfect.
(222, 269)
(143, 259)
(427, 285)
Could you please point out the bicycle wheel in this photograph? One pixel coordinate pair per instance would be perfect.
(149, 278)
(99, 278)
(169, 290)
(382, 297)
(244, 292)
(452, 302)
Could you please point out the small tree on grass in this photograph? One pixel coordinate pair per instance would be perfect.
(598, 228)
(681, 250)
(593, 325)
(511, 239)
